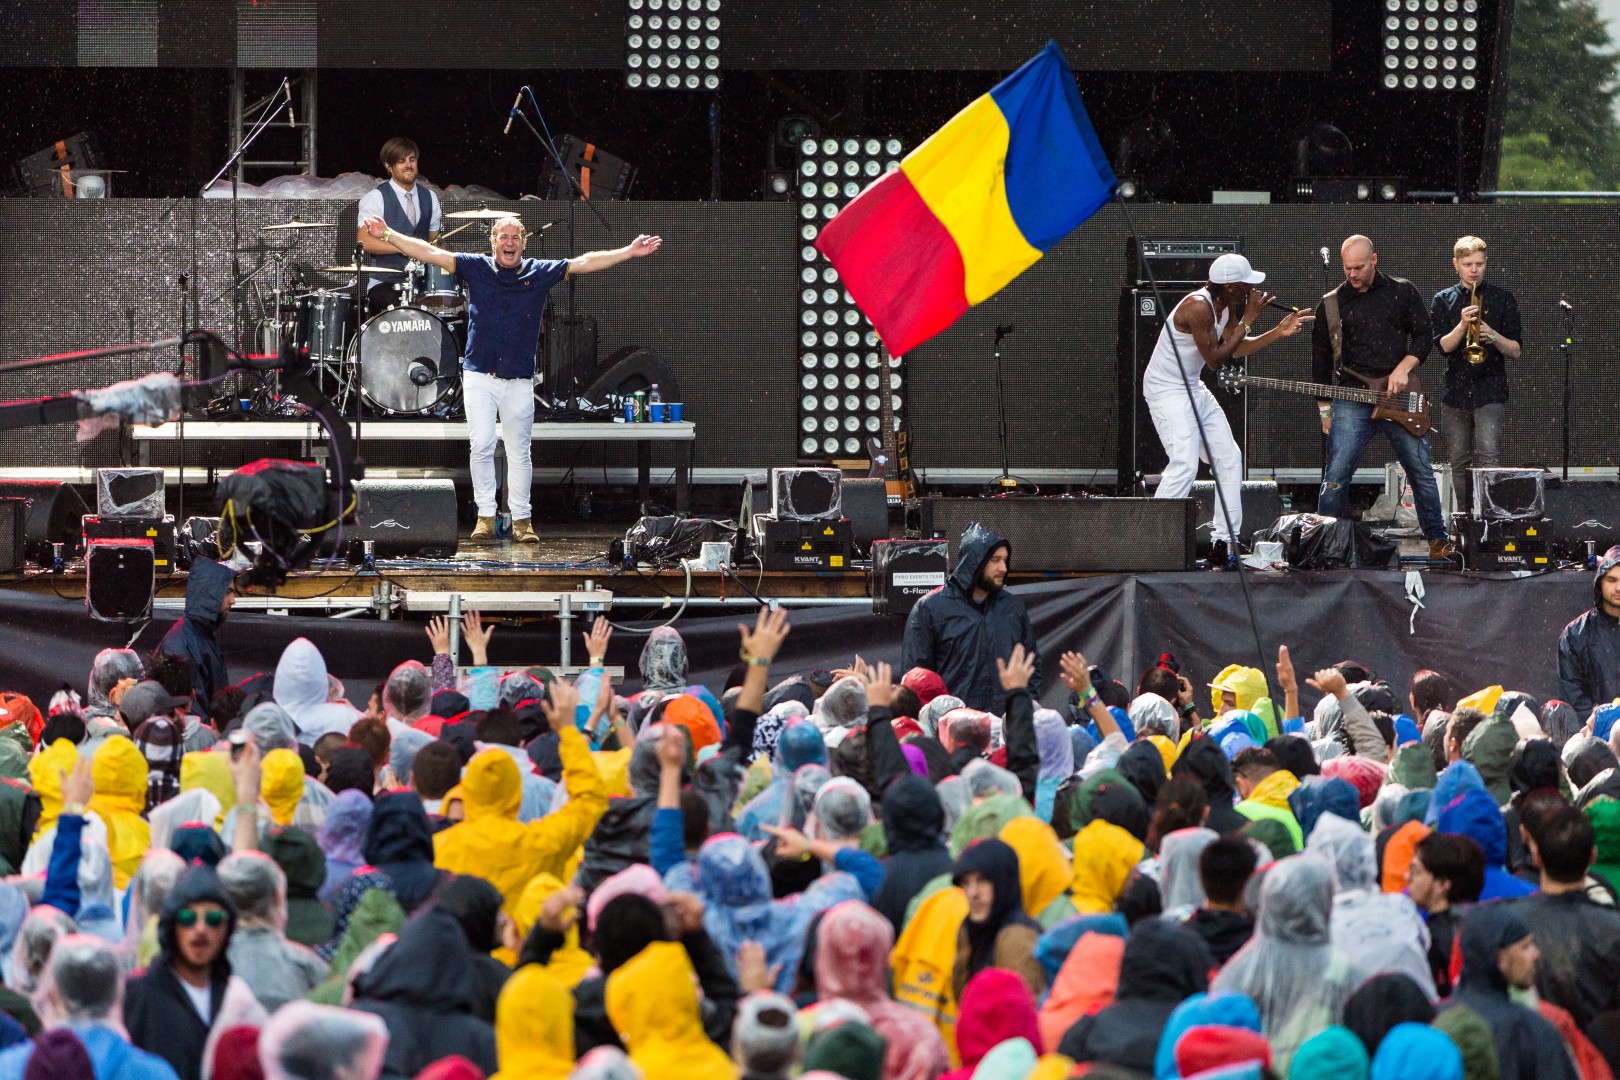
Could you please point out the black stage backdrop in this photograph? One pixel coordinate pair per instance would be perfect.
(721, 301)
(1478, 629)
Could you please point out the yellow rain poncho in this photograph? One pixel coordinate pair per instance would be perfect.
(534, 1027)
(652, 1002)
(281, 784)
(45, 773)
(210, 769)
(120, 776)
(1104, 856)
(569, 962)
(1044, 868)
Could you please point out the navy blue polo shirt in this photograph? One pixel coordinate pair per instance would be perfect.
(504, 309)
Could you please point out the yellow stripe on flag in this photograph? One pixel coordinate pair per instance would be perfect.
(958, 172)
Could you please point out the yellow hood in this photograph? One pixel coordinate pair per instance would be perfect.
(492, 786)
(1104, 856)
(614, 765)
(45, 771)
(569, 963)
(1274, 790)
(534, 1027)
(1484, 700)
(1167, 750)
(1044, 868)
(281, 784)
(210, 769)
(652, 1002)
(1246, 683)
(119, 771)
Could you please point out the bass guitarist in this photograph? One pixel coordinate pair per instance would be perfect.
(1373, 327)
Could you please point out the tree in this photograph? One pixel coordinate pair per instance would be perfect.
(1563, 77)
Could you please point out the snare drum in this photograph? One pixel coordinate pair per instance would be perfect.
(322, 327)
(441, 290)
(411, 361)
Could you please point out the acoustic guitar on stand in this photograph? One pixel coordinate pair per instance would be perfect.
(1409, 408)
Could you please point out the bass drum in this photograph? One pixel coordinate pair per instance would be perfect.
(410, 361)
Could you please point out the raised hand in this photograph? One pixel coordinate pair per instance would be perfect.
(438, 635)
(770, 630)
(1330, 681)
(1075, 672)
(78, 786)
(752, 972)
(645, 245)
(477, 637)
(561, 701)
(1016, 670)
(596, 640)
(1285, 671)
(880, 686)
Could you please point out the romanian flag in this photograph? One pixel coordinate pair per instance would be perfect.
(972, 207)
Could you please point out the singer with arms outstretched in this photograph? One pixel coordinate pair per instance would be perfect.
(1202, 331)
(506, 295)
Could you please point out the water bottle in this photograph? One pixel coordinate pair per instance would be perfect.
(653, 396)
(588, 684)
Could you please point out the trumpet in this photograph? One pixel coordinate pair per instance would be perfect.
(1473, 351)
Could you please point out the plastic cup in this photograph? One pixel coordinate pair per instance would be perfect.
(630, 410)
(656, 408)
(674, 412)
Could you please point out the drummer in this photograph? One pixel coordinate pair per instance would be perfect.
(409, 208)
(506, 295)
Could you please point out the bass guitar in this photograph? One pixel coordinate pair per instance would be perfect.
(1409, 408)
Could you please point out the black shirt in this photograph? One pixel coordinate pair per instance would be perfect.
(1382, 326)
(1468, 386)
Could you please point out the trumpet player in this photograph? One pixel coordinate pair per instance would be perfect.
(1476, 328)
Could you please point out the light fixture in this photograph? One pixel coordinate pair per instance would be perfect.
(672, 45)
(840, 360)
(1445, 56)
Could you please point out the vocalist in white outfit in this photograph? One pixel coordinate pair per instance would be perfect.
(1201, 330)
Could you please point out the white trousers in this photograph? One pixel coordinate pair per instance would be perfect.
(511, 402)
(1178, 432)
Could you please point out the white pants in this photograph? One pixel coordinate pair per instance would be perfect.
(511, 401)
(1178, 432)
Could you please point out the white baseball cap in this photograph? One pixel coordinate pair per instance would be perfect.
(1231, 268)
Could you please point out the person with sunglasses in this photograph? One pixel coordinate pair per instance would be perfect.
(171, 1007)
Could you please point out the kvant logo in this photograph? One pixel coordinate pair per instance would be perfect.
(405, 326)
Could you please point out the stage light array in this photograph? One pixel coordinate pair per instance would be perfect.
(1431, 44)
(673, 44)
(841, 368)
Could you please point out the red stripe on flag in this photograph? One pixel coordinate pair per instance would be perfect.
(898, 262)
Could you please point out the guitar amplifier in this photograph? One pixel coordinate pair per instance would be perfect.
(1176, 261)
(1516, 544)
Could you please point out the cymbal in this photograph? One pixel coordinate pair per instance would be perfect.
(352, 269)
(481, 212)
(300, 225)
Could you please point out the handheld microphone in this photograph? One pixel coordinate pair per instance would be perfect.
(1279, 305)
(516, 101)
(1324, 253)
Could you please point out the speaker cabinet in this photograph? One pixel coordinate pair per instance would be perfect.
(1139, 453)
(406, 517)
(632, 368)
(129, 493)
(1581, 510)
(866, 504)
(1262, 505)
(905, 571)
(55, 511)
(807, 494)
(1064, 535)
(119, 576)
(13, 525)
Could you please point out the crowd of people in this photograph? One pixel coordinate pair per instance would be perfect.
(482, 873)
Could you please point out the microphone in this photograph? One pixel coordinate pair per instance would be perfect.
(421, 373)
(516, 101)
(1278, 304)
(1004, 330)
(1324, 253)
(1565, 304)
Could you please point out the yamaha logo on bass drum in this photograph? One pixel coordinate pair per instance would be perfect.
(404, 326)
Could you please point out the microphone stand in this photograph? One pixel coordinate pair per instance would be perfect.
(1568, 348)
(1006, 483)
(575, 194)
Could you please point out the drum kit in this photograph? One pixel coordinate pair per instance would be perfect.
(410, 353)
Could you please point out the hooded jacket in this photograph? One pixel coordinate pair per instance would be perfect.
(1474, 814)
(422, 987)
(948, 633)
(1084, 971)
(491, 843)
(853, 943)
(1203, 760)
(158, 1013)
(1489, 749)
(399, 842)
(1045, 870)
(300, 688)
(194, 635)
(476, 904)
(653, 1003)
(534, 1027)
(1162, 966)
(1006, 937)
(1589, 649)
(1378, 931)
(119, 772)
(996, 1006)
(1527, 1046)
(1104, 856)
(1272, 799)
(913, 826)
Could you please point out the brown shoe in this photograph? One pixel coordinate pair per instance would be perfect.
(1441, 550)
(523, 532)
(484, 531)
